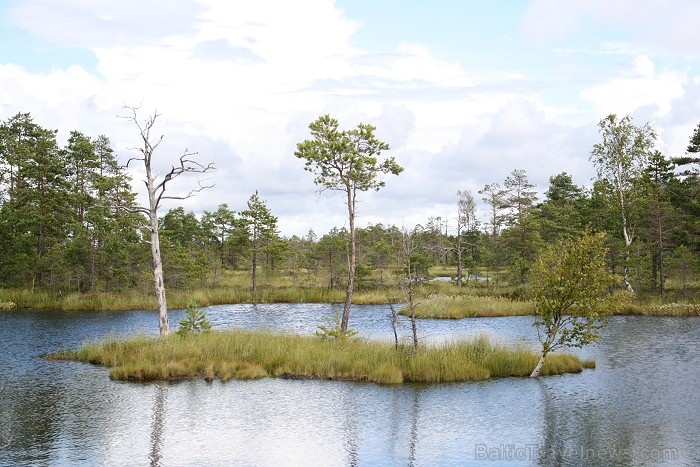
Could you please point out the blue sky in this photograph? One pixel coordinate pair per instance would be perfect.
(463, 91)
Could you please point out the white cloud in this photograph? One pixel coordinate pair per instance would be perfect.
(240, 81)
(639, 87)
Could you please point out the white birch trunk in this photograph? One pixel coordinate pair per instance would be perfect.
(628, 242)
(545, 350)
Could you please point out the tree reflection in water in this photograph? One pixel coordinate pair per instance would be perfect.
(161, 393)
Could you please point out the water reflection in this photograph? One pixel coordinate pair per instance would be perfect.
(414, 410)
(161, 392)
(639, 404)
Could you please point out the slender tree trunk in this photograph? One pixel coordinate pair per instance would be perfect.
(351, 261)
(93, 261)
(662, 278)
(414, 330)
(625, 269)
(394, 320)
(157, 260)
(545, 350)
(536, 372)
(459, 255)
(255, 270)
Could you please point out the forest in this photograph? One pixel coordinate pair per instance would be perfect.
(69, 224)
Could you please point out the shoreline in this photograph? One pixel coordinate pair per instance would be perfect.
(439, 305)
(252, 354)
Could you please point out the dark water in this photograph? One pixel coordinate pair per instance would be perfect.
(641, 406)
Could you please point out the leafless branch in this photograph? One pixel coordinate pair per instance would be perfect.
(134, 210)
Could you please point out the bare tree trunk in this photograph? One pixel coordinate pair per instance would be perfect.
(394, 319)
(459, 254)
(414, 329)
(662, 279)
(156, 193)
(255, 271)
(157, 260)
(351, 262)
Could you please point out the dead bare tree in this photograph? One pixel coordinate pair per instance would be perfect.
(156, 188)
(409, 291)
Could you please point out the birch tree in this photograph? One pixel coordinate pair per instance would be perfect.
(466, 222)
(156, 189)
(569, 281)
(620, 159)
(346, 161)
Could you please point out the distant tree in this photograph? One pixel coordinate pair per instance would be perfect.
(563, 211)
(685, 265)
(183, 248)
(221, 223)
(411, 260)
(330, 250)
(494, 196)
(693, 148)
(97, 232)
(568, 283)
(261, 226)
(156, 190)
(346, 161)
(36, 212)
(685, 195)
(466, 223)
(519, 196)
(659, 217)
(619, 160)
(520, 241)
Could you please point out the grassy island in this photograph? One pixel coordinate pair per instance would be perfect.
(245, 354)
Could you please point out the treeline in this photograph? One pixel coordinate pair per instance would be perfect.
(68, 222)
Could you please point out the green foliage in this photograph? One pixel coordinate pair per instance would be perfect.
(261, 228)
(194, 322)
(333, 330)
(68, 225)
(569, 284)
(345, 160)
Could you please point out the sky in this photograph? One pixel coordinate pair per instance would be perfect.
(464, 91)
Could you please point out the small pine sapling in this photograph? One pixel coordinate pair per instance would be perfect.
(195, 321)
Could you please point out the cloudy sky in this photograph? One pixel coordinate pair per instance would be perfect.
(464, 91)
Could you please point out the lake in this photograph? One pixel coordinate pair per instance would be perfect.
(640, 406)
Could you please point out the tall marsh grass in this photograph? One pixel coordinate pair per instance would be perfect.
(470, 306)
(246, 354)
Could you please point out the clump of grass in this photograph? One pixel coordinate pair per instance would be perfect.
(443, 306)
(674, 309)
(245, 354)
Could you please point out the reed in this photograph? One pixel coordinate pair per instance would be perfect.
(443, 306)
(246, 354)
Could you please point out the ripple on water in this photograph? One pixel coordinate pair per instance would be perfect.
(640, 399)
